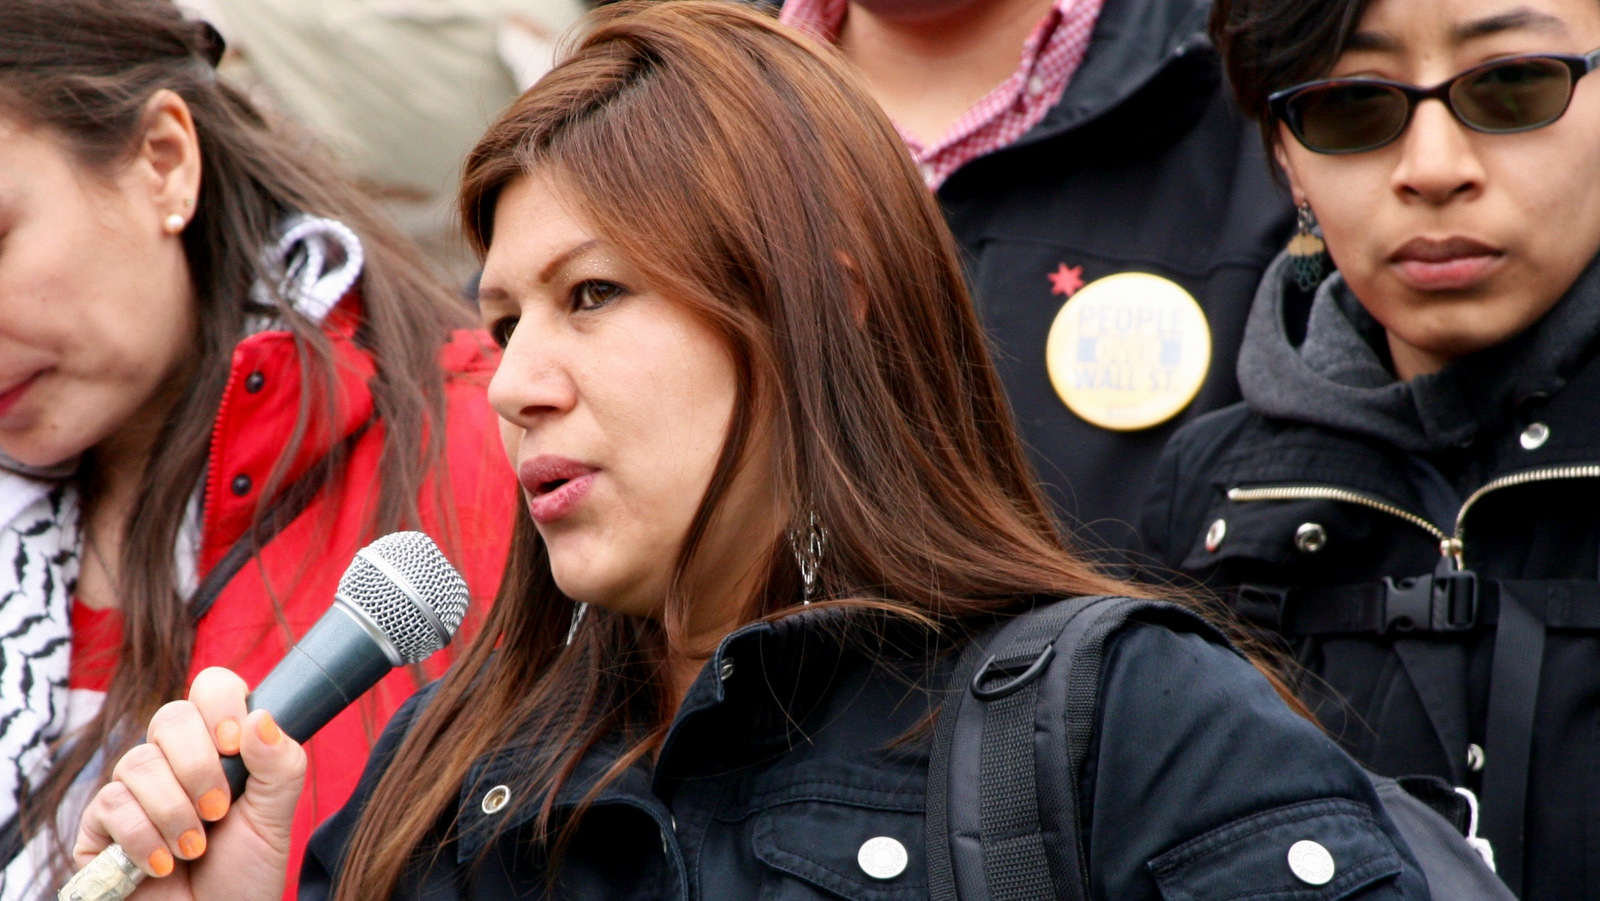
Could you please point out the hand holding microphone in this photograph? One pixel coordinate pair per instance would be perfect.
(399, 602)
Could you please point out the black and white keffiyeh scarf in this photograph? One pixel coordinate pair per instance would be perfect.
(39, 559)
(320, 260)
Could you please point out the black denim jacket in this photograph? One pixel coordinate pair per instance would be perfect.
(794, 749)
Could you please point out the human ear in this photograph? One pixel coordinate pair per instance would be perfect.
(168, 160)
(1282, 156)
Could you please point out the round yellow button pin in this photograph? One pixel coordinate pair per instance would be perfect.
(1129, 351)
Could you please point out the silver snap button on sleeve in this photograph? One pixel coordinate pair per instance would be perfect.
(882, 857)
(1311, 863)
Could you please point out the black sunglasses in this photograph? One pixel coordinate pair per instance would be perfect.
(1352, 115)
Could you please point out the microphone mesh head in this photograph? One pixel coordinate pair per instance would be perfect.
(420, 610)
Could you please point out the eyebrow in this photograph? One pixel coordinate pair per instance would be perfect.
(562, 259)
(495, 294)
(1521, 18)
(1370, 40)
(492, 294)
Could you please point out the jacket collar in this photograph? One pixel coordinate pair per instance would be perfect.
(758, 687)
(1338, 378)
(1135, 42)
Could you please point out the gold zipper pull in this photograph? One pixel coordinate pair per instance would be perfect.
(1453, 550)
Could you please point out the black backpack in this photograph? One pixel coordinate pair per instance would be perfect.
(1028, 816)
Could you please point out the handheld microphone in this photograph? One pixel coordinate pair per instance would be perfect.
(399, 602)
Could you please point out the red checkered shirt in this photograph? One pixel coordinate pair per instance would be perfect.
(1049, 57)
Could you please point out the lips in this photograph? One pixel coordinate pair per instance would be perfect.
(554, 485)
(1450, 264)
(12, 395)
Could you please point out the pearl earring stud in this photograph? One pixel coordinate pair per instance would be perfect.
(175, 223)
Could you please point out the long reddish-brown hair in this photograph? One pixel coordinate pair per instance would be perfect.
(746, 172)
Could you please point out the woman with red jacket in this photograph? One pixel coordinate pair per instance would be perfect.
(219, 378)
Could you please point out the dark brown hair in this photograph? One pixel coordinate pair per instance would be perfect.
(1269, 45)
(747, 172)
(83, 71)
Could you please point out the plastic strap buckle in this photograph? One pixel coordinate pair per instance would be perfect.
(1441, 602)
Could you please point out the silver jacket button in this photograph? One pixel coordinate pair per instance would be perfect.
(496, 799)
(725, 672)
(1310, 537)
(1535, 435)
(1215, 534)
(1311, 863)
(882, 857)
(1475, 758)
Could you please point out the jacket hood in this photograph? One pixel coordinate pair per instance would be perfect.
(1339, 376)
(1134, 41)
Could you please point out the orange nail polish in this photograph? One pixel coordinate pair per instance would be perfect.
(213, 805)
(228, 736)
(268, 730)
(161, 862)
(192, 844)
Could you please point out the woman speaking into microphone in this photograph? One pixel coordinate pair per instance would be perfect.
(771, 487)
(219, 377)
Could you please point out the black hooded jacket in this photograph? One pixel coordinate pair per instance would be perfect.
(1428, 549)
(799, 745)
(1145, 165)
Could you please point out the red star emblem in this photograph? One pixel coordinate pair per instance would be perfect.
(1066, 281)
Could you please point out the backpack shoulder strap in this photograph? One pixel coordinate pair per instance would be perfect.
(1003, 820)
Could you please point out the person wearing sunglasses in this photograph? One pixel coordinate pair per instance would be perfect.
(1407, 496)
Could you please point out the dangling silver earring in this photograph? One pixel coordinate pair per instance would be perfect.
(808, 547)
(1308, 253)
(577, 620)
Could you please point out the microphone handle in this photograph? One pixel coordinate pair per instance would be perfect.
(336, 662)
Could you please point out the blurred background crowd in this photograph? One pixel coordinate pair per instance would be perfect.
(398, 89)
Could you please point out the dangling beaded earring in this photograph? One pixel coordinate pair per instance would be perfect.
(577, 620)
(1308, 254)
(808, 549)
